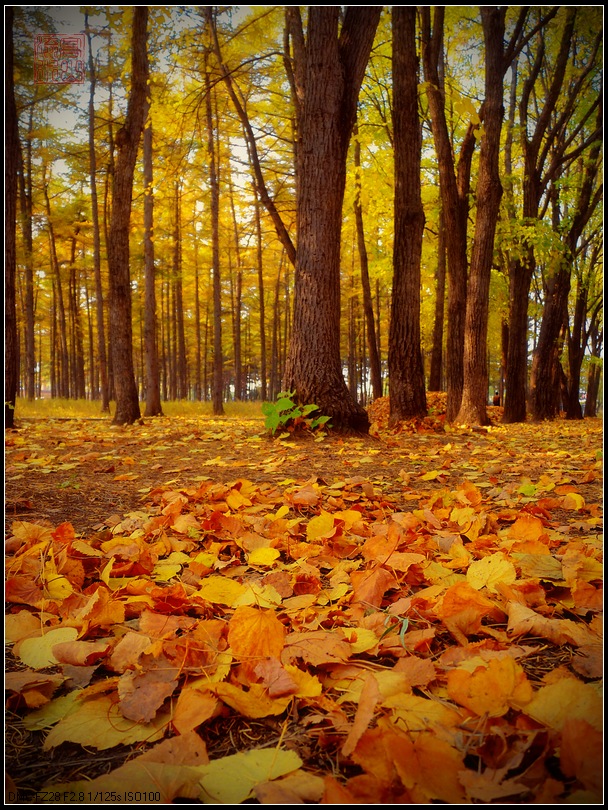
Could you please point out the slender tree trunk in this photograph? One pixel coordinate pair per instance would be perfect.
(153, 404)
(454, 184)
(260, 266)
(368, 309)
(128, 137)
(522, 270)
(405, 368)
(63, 377)
(489, 192)
(25, 195)
(197, 322)
(78, 385)
(99, 294)
(437, 350)
(11, 167)
(218, 360)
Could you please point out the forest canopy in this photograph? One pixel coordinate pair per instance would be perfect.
(341, 202)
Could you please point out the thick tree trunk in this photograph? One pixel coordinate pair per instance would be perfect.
(405, 368)
(127, 139)
(329, 72)
(489, 192)
(11, 162)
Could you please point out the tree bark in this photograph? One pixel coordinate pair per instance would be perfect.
(127, 140)
(99, 294)
(489, 193)
(153, 404)
(555, 312)
(368, 309)
(218, 360)
(437, 350)
(11, 163)
(405, 367)
(454, 182)
(522, 270)
(329, 72)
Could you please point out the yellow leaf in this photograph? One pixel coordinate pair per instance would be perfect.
(231, 780)
(320, 526)
(263, 556)
(221, 590)
(99, 724)
(491, 570)
(567, 699)
(37, 653)
(573, 501)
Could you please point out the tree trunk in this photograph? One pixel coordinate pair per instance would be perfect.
(25, 195)
(63, 375)
(217, 395)
(555, 313)
(329, 73)
(153, 405)
(260, 266)
(127, 139)
(405, 367)
(11, 164)
(521, 271)
(368, 309)
(437, 350)
(489, 192)
(99, 295)
(454, 182)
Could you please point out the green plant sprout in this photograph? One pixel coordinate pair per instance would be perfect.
(285, 414)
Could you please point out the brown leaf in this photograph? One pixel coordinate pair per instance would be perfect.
(142, 694)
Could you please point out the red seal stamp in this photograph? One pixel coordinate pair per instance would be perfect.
(59, 59)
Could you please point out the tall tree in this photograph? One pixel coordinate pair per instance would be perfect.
(11, 163)
(454, 184)
(99, 292)
(538, 138)
(153, 405)
(544, 403)
(127, 141)
(489, 192)
(368, 309)
(405, 368)
(329, 64)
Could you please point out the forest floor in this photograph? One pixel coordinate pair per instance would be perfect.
(510, 493)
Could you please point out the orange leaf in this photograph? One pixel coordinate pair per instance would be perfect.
(462, 609)
(370, 695)
(254, 635)
(254, 703)
(526, 527)
(490, 690)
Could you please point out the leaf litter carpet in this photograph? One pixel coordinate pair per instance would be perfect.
(197, 612)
